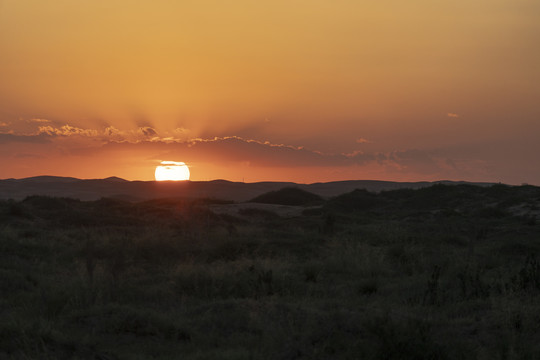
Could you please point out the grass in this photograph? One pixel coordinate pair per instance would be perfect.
(397, 278)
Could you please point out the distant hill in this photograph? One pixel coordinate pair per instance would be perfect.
(46, 179)
(115, 178)
(94, 189)
(460, 199)
(288, 196)
(358, 199)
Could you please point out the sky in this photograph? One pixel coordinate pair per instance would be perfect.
(283, 90)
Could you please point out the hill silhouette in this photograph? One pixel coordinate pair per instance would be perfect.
(452, 200)
(288, 196)
(94, 189)
(357, 200)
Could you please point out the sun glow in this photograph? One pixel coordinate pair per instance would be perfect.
(172, 170)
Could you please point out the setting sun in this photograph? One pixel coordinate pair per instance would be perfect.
(172, 170)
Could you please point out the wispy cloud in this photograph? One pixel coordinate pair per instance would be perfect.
(66, 130)
(452, 115)
(113, 133)
(145, 142)
(40, 121)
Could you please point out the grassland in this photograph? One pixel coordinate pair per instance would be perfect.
(445, 272)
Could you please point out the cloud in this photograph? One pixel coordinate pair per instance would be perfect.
(235, 149)
(41, 121)
(231, 150)
(452, 115)
(181, 130)
(147, 131)
(419, 161)
(141, 119)
(146, 143)
(255, 152)
(66, 130)
(144, 146)
(359, 157)
(111, 131)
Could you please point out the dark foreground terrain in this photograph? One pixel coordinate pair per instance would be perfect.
(443, 272)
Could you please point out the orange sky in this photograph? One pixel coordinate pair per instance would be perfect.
(303, 90)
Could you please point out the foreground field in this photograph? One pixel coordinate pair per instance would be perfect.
(445, 272)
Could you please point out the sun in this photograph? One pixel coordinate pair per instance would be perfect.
(172, 170)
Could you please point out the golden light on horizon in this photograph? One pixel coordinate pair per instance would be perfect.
(172, 171)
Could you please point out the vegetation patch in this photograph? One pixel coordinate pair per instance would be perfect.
(447, 272)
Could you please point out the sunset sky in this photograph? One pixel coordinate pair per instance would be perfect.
(295, 90)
